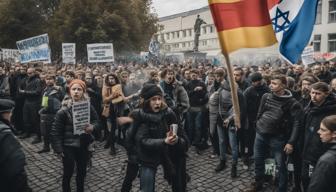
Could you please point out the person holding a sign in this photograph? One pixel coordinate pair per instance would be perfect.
(68, 140)
(323, 177)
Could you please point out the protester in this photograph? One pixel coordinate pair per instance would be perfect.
(51, 103)
(158, 143)
(13, 177)
(31, 89)
(323, 177)
(278, 126)
(73, 149)
(322, 104)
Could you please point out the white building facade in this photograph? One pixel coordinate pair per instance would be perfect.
(177, 34)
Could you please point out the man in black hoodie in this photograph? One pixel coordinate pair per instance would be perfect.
(253, 96)
(322, 104)
(278, 125)
(31, 89)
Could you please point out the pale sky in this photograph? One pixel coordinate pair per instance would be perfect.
(169, 7)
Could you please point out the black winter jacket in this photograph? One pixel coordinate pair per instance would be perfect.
(197, 98)
(323, 177)
(12, 161)
(313, 147)
(150, 134)
(280, 116)
(253, 97)
(33, 88)
(62, 130)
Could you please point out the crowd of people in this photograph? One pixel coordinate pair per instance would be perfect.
(158, 113)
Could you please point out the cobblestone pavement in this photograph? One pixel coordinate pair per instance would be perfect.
(107, 172)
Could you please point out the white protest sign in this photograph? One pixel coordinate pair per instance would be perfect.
(10, 54)
(308, 55)
(69, 53)
(81, 116)
(34, 49)
(100, 52)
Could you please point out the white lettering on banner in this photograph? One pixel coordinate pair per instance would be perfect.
(69, 53)
(100, 52)
(34, 49)
(81, 116)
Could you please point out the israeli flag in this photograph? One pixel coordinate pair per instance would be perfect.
(293, 22)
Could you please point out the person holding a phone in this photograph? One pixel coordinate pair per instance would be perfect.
(158, 140)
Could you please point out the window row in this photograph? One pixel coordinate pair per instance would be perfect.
(187, 33)
(331, 42)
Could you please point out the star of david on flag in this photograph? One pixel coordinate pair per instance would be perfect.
(293, 22)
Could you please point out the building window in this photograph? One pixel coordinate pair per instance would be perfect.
(184, 33)
(332, 42)
(173, 35)
(177, 34)
(204, 30)
(190, 32)
(167, 36)
(183, 45)
(319, 13)
(332, 11)
(317, 43)
(211, 29)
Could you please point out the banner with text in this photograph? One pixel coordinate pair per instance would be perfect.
(9, 55)
(69, 53)
(100, 52)
(81, 116)
(308, 55)
(34, 49)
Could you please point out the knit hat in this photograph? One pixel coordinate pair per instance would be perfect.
(6, 105)
(149, 91)
(256, 77)
(79, 82)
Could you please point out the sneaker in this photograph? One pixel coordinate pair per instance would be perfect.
(221, 166)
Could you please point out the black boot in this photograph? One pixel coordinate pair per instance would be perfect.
(234, 171)
(221, 166)
(44, 150)
(25, 136)
(113, 150)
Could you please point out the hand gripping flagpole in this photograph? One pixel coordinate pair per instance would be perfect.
(234, 92)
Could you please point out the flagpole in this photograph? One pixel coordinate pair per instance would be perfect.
(234, 92)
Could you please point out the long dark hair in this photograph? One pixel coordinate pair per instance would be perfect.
(106, 81)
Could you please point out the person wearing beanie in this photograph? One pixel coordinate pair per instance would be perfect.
(12, 159)
(155, 142)
(323, 177)
(69, 147)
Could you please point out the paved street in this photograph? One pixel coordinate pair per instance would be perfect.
(107, 172)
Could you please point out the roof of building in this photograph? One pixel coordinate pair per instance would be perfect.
(185, 14)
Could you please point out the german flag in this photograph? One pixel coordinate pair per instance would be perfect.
(242, 24)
